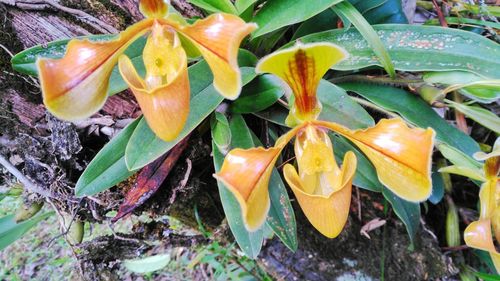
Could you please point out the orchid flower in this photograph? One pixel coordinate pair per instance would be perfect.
(75, 86)
(479, 233)
(401, 156)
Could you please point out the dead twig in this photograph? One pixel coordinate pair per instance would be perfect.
(439, 12)
(46, 4)
(28, 184)
(183, 182)
(457, 248)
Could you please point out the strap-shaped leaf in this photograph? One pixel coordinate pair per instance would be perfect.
(277, 13)
(445, 49)
(108, 167)
(10, 231)
(215, 6)
(408, 212)
(347, 10)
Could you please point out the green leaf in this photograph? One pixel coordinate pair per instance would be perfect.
(258, 95)
(349, 11)
(458, 158)
(463, 21)
(485, 258)
(278, 13)
(386, 11)
(108, 167)
(215, 6)
(487, 277)
(414, 110)
(338, 107)
(246, 58)
(249, 242)
(366, 175)
(437, 188)
(10, 231)
(408, 212)
(276, 114)
(472, 173)
(147, 265)
(374, 11)
(482, 116)
(144, 147)
(221, 133)
(281, 217)
(481, 93)
(445, 49)
(243, 5)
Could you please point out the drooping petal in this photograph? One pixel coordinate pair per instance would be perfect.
(75, 86)
(153, 8)
(478, 235)
(327, 213)
(218, 38)
(401, 156)
(164, 95)
(166, 108)
(302, 67)
(246, 173)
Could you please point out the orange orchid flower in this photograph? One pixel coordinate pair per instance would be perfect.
(478, 234)
(401, 156)
(75, 86)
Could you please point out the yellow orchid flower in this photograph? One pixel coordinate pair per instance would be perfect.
(478, 234)
(401, 156)
(75, 86)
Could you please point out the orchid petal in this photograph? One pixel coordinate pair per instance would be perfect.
(495, 224)
(153, 8)
(302, 68)
(75, 86)
(164, 95)
(327, 213)
(478, 235)
(492, 167)
(246, 173)
(401, 156)
(317, 167)
(488, 194)
(165, 108)
(218, 38)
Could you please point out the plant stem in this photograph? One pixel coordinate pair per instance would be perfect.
(374, 106)
(376, 80)
(29, 185)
